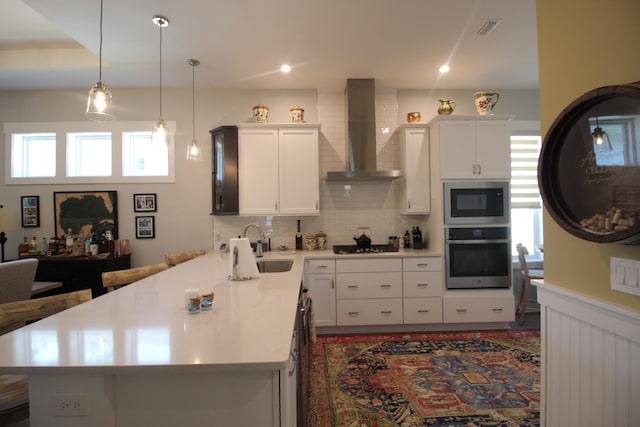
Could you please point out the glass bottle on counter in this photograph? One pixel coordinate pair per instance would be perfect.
(407, 239)
(299, 238)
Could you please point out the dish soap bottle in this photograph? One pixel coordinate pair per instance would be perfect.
(299, 238)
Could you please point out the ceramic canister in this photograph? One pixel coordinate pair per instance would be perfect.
(261, 113)
(297, 114)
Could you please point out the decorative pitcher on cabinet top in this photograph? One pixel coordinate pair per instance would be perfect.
(446, 107)
(485, 101)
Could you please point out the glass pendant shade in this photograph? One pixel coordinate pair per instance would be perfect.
(160, 132)
(193, 151)
(601, 139)
(99, 103)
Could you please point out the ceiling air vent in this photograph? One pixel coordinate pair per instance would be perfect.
(486, 27)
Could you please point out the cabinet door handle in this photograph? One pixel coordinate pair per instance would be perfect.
(352, 286)
(423, 285)
(461, 310)
(474, 169)
(385, 286)
(316, 205)
(385, 312)
(333, 284)
(496, 310)
(423, 311)
(276, 206)
(409, 204)
(352, 313)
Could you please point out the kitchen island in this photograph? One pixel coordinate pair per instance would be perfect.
(136, 357)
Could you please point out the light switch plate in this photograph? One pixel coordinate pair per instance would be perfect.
(625, 275)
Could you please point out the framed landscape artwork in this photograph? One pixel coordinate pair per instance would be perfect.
(81, 212)
(145, 203)
(145, 227)
(30, 211)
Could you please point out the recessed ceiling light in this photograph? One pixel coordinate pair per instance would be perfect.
(285, 68)
(444, 68)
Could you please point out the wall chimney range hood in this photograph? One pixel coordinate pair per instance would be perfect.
(361, 136)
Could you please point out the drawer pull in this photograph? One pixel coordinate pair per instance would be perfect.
(353, 313)
(497, 310)
(322, 267)
(385, 312)
(422, 264)
(461, 310)
(423, 311)
(352, 286)
(423, 285)
(385, 286)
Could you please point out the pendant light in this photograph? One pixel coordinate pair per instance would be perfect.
(160, 129)
(193, 150)
(600, 137)
(99, 102)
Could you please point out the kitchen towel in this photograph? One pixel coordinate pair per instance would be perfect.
(244, 263)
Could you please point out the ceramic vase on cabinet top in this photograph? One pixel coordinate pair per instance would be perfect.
(485, 101)
(413, 117)
(297, 114)
(446, 107)
(261, 113)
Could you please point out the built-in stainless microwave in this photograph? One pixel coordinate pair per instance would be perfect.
(476, 202)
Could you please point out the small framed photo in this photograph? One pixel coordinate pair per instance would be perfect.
(30, 211)
(145, 203)
(145, 227)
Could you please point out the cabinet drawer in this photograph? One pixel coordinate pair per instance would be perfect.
(321, 266)
(490, 308)
(417, 284)
(422, 310)
(369, 285)
(370, 312)
(422, 264)
(368, 265)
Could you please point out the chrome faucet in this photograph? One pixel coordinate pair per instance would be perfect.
(256, 226)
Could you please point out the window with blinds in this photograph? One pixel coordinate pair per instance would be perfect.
(524, 172)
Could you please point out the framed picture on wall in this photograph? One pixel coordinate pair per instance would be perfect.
(30, 211)
(81, 212)
(145, 203)
(145, 227)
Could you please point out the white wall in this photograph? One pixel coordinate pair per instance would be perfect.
(183, 220)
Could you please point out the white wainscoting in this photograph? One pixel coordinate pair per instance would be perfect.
(590, 361)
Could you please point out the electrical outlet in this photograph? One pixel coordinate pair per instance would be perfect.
(70, 404)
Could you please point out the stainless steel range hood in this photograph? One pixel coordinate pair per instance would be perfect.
(361, 136)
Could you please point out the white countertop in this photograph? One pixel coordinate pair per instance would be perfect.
(145, 326)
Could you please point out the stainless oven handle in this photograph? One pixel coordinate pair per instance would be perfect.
(483, 241)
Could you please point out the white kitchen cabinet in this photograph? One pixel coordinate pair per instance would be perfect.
(470, 306)
(320, 280)
(473, 147)
(278, 169)
(422, 284)
(369, 291)
(415, 157)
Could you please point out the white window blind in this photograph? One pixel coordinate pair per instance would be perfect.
(524, 172)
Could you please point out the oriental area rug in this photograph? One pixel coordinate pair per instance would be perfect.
(470, 379)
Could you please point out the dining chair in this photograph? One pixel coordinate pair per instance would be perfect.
(113, 280)
(16, 279)
(527, 275)
(14, 391)
(177, 258)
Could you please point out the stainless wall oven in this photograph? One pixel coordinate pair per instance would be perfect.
(478, 257)
(476, 202)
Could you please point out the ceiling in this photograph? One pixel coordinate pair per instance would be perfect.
(47, 44)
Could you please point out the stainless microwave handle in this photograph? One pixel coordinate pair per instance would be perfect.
(483, 241)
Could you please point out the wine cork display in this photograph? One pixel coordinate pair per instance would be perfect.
(614, 220)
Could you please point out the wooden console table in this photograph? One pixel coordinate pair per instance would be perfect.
(79, 272)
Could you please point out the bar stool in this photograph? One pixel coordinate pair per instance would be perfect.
(118, 278)
(527, 275)
(178, 258)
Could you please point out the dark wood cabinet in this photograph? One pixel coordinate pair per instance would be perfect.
(224, 179)
(78, 273)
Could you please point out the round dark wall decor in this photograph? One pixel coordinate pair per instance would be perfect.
(589, 168)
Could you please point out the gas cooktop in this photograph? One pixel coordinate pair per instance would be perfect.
(371, 249)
